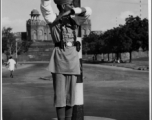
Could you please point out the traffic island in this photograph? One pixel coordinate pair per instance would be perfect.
(92, 118)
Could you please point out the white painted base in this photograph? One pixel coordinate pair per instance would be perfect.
(79, 94)
(92, 118)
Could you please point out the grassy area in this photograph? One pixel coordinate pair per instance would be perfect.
(137, 63)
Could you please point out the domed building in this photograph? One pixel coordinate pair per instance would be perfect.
(37, 30)
(34, 12)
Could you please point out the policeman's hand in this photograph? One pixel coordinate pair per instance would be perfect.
(78, 46)
(67, 13)
(62, 15)
(59, 17)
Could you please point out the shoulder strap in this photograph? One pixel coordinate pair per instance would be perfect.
(73, 26)
(61, 35)
(75, 37)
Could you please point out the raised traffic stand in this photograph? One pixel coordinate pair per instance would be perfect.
(78, 111)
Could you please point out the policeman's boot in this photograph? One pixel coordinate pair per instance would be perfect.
(60, 113)
(68, 118)
(61, 118)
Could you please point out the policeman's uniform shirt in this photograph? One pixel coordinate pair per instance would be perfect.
(63, 61)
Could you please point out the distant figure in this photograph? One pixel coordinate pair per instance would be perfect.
(102, 60)
(12, 64)
(118, 61)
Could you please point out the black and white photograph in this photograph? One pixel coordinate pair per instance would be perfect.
(75, 60)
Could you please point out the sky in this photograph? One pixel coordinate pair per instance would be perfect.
(106, 14)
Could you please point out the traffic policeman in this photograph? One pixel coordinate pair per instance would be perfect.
(64, 63)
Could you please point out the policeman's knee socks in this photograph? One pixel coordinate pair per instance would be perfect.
(64, 113)
(68, 113)
(60, 113)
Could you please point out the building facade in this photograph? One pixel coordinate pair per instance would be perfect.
(38, 30)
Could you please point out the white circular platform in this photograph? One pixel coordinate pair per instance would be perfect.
(92, 118)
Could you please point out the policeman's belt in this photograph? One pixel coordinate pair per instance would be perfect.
(68, 44)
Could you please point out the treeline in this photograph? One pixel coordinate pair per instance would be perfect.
(10, 45)
(125, 38)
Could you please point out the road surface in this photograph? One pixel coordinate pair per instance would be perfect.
(119, 94)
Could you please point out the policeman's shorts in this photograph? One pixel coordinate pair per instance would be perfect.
(64, 89)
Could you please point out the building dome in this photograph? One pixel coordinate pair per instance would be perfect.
(35, 12)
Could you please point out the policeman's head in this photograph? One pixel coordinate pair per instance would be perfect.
(64, 5)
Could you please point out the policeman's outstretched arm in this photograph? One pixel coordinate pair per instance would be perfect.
(47, 11)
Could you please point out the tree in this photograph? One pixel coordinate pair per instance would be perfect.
(91, 44)
(137, 32)
(113, 42)
(8, 40)
(85, 45)
(144, 35)
(105, 42)
(24, 46)
(125, 38)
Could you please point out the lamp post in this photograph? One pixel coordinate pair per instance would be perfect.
(16, 50)
(16, 40)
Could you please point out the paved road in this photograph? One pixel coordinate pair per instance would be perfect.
(29, 97)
